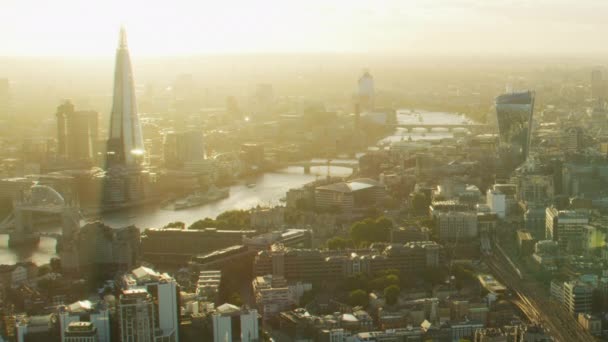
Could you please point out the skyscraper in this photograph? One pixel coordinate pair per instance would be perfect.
(125, 143)
(136, 316)
(598, 85)
(5, 99)
(366, 92)
(164, 292)
(76, 133)
(514, 116)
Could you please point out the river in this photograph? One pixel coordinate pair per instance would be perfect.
(270, 187)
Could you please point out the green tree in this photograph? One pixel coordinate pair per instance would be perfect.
(339, 243)
(176, 224)
(358, 298)
(235, 299)
(391, 294)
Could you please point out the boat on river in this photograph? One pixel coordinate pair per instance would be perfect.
(199, 198)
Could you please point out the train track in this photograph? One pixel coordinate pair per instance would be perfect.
(532, 302)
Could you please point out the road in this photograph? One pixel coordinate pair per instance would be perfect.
(533, 302)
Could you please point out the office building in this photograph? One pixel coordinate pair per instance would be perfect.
(566, 227)
(273, 294)
(136, 316)
(180, 148)
(231, 323)
(5, 99)
(347, 197)
(497, 202)
(164, 293)
(125, 143)
(98, 316)
(593, 324)
(578, 297)
(456, 225)
(514, 115)
(80, 332)
(77, 133)
(598, 85)
(208, 285)
(316, 266)
(365, 92)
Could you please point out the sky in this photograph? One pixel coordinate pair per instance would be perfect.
(408, 27)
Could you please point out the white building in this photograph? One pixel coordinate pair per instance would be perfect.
(273, 294)
(225, 316)
(81, 311)
(136, 316)
(164, 291)
(456, 225)
(497, 202)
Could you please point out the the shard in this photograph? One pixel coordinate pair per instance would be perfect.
(125, 143)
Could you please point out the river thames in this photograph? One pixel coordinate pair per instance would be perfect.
(268, 190)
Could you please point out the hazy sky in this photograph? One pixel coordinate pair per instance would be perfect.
(412, 27)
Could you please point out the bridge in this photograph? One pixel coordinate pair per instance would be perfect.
(20, 224)
(307, 164)
(473, 127)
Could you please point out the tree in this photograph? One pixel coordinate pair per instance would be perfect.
(358, 298)
(235, 299)
(176, 224)
(391, 293)
(339, 243)
(370, 230)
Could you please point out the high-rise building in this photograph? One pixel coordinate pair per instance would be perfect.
(231, 323)
(365, 92)
(85, 312)
(125, 143)
(136, 316)
(514, 115)
(598, 85)
(566, 227)
(5, 99)
(164, 292)
(183, 147)
(77, 133)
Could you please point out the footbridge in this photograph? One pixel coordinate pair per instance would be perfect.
(307, 164)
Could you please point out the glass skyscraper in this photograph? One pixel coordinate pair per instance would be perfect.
(514, 116)
(126, 143)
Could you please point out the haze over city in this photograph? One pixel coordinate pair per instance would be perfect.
(334, 171)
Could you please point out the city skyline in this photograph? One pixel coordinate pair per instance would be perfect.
(436, 27)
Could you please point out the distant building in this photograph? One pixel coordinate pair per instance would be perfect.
(208, 285)
(77, 133)
(514, 115)
(566, 228)
(97, 245)
(598, 85)
(80, 332)
(5, 99)
(496, 200)
(317, 266)
(365, 92)
(126, 142)
(231, 323)
(180, 148)
(456, 225)
(346, 197)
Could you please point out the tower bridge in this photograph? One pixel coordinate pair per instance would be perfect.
(39, 199)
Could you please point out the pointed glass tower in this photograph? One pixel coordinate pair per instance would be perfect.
(125, 143)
